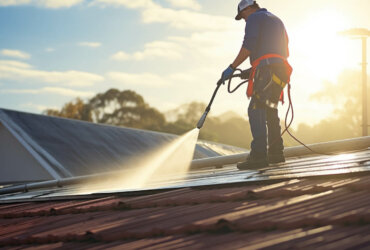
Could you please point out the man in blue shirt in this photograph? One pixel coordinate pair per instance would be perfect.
(266, 44)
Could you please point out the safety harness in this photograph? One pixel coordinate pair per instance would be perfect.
(275, 78)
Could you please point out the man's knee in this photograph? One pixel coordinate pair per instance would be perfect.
(272, 115)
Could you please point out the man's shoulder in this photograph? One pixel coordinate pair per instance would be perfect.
(260, 12)
(259, 15)
(263, 15)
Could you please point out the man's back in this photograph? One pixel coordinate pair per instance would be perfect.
(265, 34)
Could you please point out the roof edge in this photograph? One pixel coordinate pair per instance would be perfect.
(36, 151)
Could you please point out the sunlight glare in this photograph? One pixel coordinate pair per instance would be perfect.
(324, 52)
(171, 161)
(343, 157)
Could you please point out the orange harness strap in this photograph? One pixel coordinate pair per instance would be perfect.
(255, 64)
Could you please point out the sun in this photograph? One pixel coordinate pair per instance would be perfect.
(319, 47)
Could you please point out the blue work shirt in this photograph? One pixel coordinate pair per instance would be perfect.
(265, 34)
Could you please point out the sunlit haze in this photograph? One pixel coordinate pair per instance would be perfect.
(150, 169)
(170, 53)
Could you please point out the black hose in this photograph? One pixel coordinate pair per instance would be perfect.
(287, 126)
(290, 108)
(239, 85)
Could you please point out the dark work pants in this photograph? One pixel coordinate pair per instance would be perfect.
(264, 121)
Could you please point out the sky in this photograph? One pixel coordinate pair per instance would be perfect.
(170, 51)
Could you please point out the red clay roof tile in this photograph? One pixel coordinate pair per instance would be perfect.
(301, 213)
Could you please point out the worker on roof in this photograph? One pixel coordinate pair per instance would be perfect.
(266, 44)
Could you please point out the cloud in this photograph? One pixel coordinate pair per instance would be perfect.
(121, 56)
(52, 4)
(49, 50)
(144, 79)
(13, 2)
(156, 49)
(212, 47)
(90, 44)
(55, 4)
(49, 90)
(185, 20)
(152, 12)
(212, 44)
(188, 4)
(15, 53)
(188, 78)
(13, 70)
(131, 4)
(15, 64)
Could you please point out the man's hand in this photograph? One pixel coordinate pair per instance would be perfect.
(227, 73)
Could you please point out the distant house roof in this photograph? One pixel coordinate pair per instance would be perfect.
(37, 147)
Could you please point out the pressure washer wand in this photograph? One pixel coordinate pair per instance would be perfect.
(244, 74)
(204, 116)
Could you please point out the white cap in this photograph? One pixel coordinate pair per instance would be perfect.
(242, 6)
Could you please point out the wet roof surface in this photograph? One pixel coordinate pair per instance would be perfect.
(354, 163)
(297, 211)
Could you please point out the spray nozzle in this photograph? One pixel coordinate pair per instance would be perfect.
(202, 119)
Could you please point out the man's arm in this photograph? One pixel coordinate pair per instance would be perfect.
(242, 56)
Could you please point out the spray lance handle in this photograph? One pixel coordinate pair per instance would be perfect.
(204, 116)
(243, 75)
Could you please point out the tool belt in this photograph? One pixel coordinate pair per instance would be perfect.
(270, 80)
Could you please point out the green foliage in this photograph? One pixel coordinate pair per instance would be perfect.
(114, 107)
(76, 109)
(125, 108)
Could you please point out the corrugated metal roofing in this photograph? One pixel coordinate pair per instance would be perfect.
(69, 148)
(330, 213)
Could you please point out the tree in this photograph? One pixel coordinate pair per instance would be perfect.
(125, 108)
(76, 109)
(114, 107)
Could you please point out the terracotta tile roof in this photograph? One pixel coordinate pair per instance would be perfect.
(327, 212)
